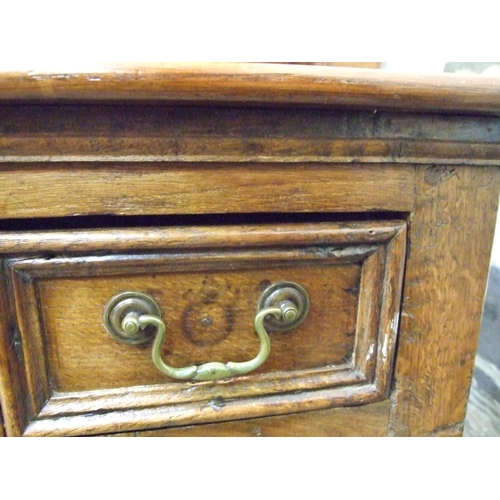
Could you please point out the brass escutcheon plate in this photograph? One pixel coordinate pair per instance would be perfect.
(279, 293)
(122, 304)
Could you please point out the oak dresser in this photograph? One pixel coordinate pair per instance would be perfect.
(242, 249)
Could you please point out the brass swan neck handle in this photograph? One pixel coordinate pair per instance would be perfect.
(134, 317)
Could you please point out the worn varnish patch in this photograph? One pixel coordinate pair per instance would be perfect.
(437, 174)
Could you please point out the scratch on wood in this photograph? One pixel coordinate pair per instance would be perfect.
(437, 174)
(452, 430)
(217, 404)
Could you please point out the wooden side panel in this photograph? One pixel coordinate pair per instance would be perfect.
(450, 236)
(201, 189)
(363, 421)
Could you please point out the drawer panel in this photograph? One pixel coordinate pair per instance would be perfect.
(208, 314)
(78, 379)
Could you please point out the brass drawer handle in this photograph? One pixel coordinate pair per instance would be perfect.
(133, 318)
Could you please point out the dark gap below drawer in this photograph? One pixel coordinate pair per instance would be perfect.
(111, 221)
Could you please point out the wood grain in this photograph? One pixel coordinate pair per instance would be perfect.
(14, 395)
(206, 159)
(392, 290)
(146, 133)
(136, 239)
(445, 283)
(245, 83)
(31, 338)
(372, 65)
(83, 357)
(363, 421)
(215, 410)
(161, 189)
(93, 380)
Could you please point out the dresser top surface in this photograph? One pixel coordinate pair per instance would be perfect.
(252, 84)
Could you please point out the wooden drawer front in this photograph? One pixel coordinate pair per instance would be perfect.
(351, 421)
(77, 379)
